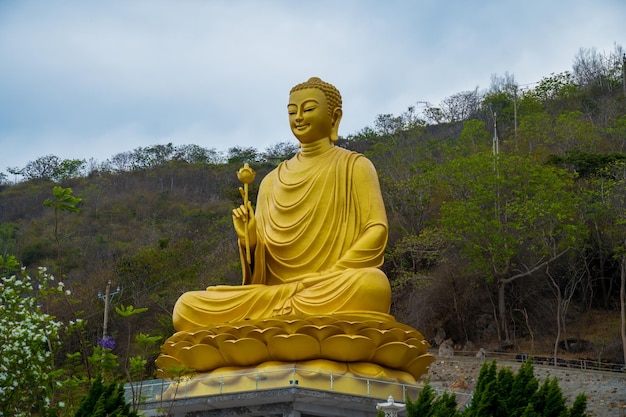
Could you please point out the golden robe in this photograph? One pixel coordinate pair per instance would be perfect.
(321, 234)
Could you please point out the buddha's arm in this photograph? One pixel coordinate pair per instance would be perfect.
(243, 216)
(368, 249)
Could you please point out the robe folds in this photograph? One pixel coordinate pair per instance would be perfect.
(321, 234)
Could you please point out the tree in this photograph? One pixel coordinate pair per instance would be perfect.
(501, 99)
(69, 168)
(29, 338)
(564, 287)
(428, 404)
(507, 394)
(15, 171)
(8, 234)
(63, 201)
(594, 70)
(554, 87)
(535, 134)
(524, 386)
(423, 405)
(194, 154)
(509, 217)
(574, 132)
(241, 155)
(151, 156)
(610, 192)
(121, 162)
(461, 106)
(105, 400)
(280, 152)
(42, 168)
(579, 409)
(474, 138)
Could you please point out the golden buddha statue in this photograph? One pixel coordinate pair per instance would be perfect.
(313, 289)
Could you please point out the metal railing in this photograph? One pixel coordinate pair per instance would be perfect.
(543, 360)
(165, 390)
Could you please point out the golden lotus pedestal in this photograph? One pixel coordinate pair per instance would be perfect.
(370, 355)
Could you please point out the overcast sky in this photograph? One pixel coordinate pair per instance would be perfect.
(83, 79)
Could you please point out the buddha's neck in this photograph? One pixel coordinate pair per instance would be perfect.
(316, 148)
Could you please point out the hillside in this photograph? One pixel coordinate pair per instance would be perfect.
(499, 248)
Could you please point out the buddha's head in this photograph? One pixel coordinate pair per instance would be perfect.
(314, 111)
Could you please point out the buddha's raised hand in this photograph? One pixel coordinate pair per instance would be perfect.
(244, 216)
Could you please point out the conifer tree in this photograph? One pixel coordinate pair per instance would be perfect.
(423, 405)
(524, 387)
(529, 411)
(428, 404)
(104, 401)
(445, 406)
(519, 395)
(579, 408)
(504, 384)
(554, 401)
(484, 394)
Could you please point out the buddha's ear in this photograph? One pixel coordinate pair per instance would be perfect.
(336, 119)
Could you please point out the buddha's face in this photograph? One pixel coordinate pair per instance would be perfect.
(309, 117)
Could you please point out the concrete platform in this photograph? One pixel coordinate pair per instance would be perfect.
(278, 402)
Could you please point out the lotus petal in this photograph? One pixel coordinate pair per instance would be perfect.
(216, 339)
(393, 354)
(347, 348)
(164, 362)
(293, 347)
(320, 333)
(265, 334)
(171, 348)
(244, 352)
(419, 366)
(421, 344)
(201, 357)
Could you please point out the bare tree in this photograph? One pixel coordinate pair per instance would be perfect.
(461, 106)
(602, 70)
(42, 168)
(564, 294)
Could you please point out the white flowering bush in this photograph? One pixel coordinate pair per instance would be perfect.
(28, 340)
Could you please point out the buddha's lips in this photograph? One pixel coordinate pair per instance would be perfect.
(302, 127)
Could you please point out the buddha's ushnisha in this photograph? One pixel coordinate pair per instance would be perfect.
(318, 234)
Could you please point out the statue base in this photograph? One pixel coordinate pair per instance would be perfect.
(321, 375)
(360, 346)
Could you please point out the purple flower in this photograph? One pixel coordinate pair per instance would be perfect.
(107, 342)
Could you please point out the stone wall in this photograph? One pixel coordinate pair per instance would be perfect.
(606, 391)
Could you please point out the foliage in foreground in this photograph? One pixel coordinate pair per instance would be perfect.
(105, 400)
(28, 340)
(34, 378)
(501, 393)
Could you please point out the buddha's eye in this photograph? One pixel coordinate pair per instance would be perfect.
(309, 109)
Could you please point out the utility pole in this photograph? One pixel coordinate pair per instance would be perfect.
(495, 149)
(107, 297)
(624, 73)
(515, 112)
